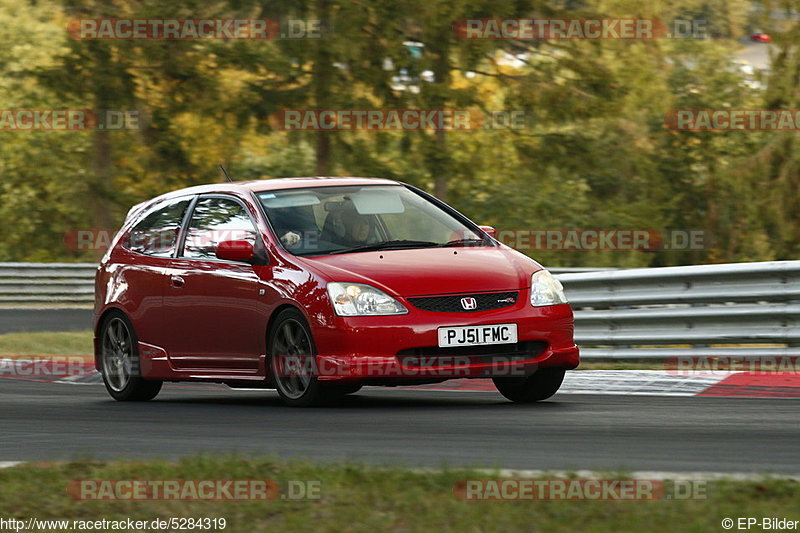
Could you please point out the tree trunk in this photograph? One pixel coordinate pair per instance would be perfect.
(322, 91)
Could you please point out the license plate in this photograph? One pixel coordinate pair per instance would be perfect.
(478, 335)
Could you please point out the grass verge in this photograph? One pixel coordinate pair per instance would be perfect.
(46, 343)
(361, 498)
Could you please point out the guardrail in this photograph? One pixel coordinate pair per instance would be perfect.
(73, 283)
(741, 309)
(47, 283)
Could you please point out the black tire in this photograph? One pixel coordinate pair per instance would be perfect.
(539, 386)
(290, 338)
(120, 364)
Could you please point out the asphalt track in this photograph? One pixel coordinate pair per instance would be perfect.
(58, 421)
(55, 319)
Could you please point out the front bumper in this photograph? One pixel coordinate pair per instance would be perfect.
(405, 347)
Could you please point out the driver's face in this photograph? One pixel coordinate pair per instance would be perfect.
(360, 230)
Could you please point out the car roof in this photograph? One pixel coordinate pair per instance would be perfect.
(271, 184)
(277, 184)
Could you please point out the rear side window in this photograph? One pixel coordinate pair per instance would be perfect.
(215, 220)
(157, 233)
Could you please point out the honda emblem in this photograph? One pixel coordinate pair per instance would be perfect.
(469, 303)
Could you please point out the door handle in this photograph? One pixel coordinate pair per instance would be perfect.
(176, 281)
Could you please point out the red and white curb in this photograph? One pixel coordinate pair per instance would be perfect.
(46, 369)
(656, 383)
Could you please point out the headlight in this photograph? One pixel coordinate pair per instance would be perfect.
(357, 299)
(546, 290)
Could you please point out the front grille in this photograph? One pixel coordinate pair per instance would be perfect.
(451, 303)
(433, 356)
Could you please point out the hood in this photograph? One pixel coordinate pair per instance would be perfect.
(430, 270)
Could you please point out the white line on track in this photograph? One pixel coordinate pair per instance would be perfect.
(641, 474)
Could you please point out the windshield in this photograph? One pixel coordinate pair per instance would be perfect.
(331, 220)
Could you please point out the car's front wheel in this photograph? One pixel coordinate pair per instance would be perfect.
(119, 362)
(293, 363)
(538, 386)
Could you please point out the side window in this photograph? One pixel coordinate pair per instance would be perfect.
(157, 233)
(215, 220)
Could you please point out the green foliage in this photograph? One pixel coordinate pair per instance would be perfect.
(595, 152)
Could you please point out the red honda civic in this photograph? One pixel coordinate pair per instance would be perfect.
(318, 286)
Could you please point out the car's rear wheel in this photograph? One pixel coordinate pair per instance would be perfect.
(293, 363)
(119, 362)
(538, 386)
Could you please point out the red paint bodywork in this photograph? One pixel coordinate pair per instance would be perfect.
(208, 320)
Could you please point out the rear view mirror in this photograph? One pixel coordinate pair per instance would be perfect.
(490, 231)
(235, 251)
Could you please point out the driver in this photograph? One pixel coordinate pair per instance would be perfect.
(358, 229)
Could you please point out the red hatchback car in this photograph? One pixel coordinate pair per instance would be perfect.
(317, 286)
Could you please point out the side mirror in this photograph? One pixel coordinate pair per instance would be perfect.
(490, 231)
(235, 251)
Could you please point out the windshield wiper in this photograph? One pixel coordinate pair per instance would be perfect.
(456, 242)
(387, 245)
